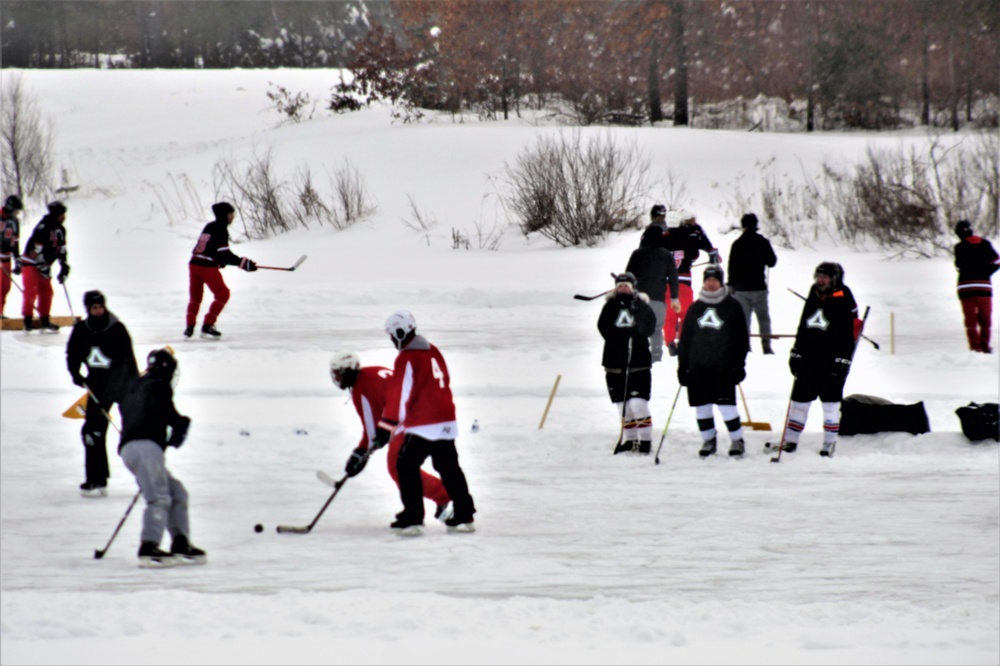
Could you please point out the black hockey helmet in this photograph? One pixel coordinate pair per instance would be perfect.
(832, 270)
(963, 229)
(221, 209)
(57, 208)
(658, 210)
(93, 297)
(13, 202)
(161, 362)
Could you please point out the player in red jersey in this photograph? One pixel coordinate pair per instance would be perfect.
(367, 387)
(419, 407)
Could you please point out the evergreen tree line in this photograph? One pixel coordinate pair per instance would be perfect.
(831, 63)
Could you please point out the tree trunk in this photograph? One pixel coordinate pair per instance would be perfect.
(681, 66)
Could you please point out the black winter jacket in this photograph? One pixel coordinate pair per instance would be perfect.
(826, 328)
(748, 256)
(714, 343)
(976, 261)
(105, 347)
(212, 248)
(148, 409)
(653, 266)
(624, 318)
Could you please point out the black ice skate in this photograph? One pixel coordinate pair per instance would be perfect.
(210, 332)
(708, 448)
(151, 557)
(189, 331)
(185, 553)
(737, 448)
(404, 526)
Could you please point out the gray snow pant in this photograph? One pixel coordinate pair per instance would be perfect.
(656, 339)
(166, 498)
(756, 302)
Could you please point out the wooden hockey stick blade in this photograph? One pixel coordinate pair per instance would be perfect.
(326, 478)
(293, 529)
(298, 263)
(281, 268)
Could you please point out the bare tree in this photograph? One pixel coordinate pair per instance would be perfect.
(26, 138)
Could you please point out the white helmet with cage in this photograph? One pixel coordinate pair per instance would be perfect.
(399, 325)
(344, 368)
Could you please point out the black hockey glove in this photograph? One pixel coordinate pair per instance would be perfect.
(179, 433)
(795, 362)
(17, 267)
(382, 436)
(63, 273)
(841, 366)
(79, 380)
(357, 462)
(248, 265)
(713, 257)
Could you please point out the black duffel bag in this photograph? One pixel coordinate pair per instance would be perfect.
(980, 422)
(866, 414)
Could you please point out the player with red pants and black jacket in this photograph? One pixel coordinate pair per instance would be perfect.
(976, 261)
(211, 253)
(685, 240)
(368, 388)
(10, 245)
(46, 245)
(419, 405)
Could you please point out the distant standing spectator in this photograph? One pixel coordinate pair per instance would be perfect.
(654, 269)
(10, 246)
(102, 343)
(711, 360)
(46, 245)
(626, 323)
(976, 261)
(211, 253)
(749, 255)
(685, 240)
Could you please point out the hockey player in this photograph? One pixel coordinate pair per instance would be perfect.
(101, 343)
(367, 386)
(150, 423)
(211, 253)
(626, 323)
(686, 239)
(976, 261)
(821, 358)
(419, 407)
(654, 269)
(749, 255)
(10, 246)
(711, 360)
(46, 245)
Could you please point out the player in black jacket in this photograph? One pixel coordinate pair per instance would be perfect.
(10, 245)
(821, 357)
(102, 343)
(685, 240)
(654, 269)
(150, 423)
(46, 245)
(626, 322)
(976, 261)
(211, 253)
(749, 255)
(711, 360)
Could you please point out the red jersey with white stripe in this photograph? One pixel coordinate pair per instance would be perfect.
(419, 399)
(368, 395)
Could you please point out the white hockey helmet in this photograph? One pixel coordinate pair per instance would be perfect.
(399, 325)
(344, 368)
(673, 218)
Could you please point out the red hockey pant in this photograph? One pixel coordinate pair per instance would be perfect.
(37, 287)
(433, 488)
(978, 311)
(202, 276)
(675, 320)
(5, 280)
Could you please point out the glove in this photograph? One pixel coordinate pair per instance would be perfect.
(682, 376)
(739, 374)
(675, 305)
(79, 380)
(357, 461)
(17, 267)
(795, 362)
(248, 265)
(841, 366)
(179, 433)
(63, 273)
(382, 436)
(713, 257)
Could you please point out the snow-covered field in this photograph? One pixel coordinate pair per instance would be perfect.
(887, 553)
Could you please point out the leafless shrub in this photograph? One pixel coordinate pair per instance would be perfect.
(26, 139)
(459, 240)
(178, 198)
(575, 193)
(289, 105)
(351, 194)
(418, 221)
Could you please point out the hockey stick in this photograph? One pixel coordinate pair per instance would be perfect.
(781, 444)
(278, 268)
(103, 411)
(628, 363)
(874, 344)
(98, 554)
(750, 422)
(306, 529)
(829, 454)
(667, 425)
(68, 302)
(581, 297)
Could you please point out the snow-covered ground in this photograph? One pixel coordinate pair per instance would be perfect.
(887, 553)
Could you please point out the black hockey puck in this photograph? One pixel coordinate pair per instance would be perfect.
(258, 528)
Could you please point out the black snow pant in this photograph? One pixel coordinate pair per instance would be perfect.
(444, 457)
(94, 435)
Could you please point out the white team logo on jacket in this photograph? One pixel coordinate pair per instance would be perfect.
(625, 319)
(818, 321)
(97, 359)
(710, 319)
